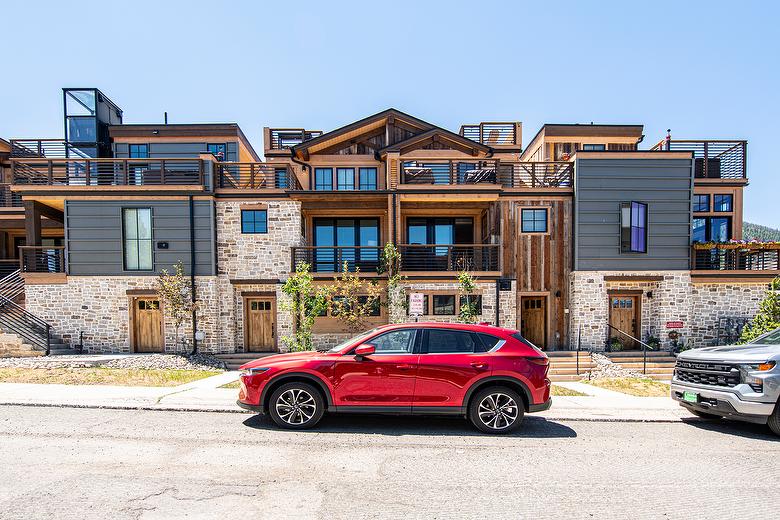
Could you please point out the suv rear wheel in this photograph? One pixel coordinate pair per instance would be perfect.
(496, 409)
(296, 406)
(774, 420)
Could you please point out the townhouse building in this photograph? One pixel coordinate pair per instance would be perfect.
(582, 235)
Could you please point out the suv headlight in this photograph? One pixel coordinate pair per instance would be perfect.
(253, 371)
(747, 371)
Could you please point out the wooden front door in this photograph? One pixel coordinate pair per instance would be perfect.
(147, 325)
(260, 335)
(624, 315)
(533, 320)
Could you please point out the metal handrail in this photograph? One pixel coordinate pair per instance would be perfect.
(12, 285)
(17, 320)
(645, 346)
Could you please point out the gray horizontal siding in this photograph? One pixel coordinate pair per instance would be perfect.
(602, 184)
(177, 150)
(93, 232)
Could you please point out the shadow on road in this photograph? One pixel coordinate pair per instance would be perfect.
(740, 429)
(532, 427)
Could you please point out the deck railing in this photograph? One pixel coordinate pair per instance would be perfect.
(255, 176)
(107, 172)
(714, 159)
(720, 258)
(554, 174)
(42, 259)
(449, 257)
(45, 148)
(448, 172)
(330, 259)
(283, 138)
(9, 199)
(491, 134)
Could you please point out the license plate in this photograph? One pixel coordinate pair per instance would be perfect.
(690, 397)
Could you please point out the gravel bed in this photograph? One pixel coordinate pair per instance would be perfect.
(605, 368)
(146, 361)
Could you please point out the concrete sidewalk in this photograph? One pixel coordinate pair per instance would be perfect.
(205, 395)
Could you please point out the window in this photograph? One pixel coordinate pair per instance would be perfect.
(488, 340)
(440, 231)
(345, 178)
(218, 150)
(534, 221)
(282, 181)
(137, 239)
(722, 203)
(715, 229)
(367, 178)
(633, 227)
(444, 304)
(337, 241)
(139, 151)
(701, 203)
(590, 147)
(396, 342)
(443, 341)
(254, 221)
(323, 179)
(562, 151)
(475, 299)
(622, 147)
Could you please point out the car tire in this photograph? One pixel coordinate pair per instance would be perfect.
(296, 406)
(705, 415)
(496, 410)
(774, 420)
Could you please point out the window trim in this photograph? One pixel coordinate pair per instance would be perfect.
(122, 213)
(258, 210)
(588, 147)
(130, 150)
(707, 195)
(323, 169)
(630, 250)
(429, 294)
(546, 220)
(224, 157)
(731, 203)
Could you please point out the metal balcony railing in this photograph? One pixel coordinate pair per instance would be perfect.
(491, 134)
(256, 176)
(551, 174)
(449, 257)
(283, 138)
(330, 259)
(713, 159)
(107, 172)
(727, 258)
(42, 259)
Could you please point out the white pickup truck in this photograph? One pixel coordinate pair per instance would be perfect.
(741, 382)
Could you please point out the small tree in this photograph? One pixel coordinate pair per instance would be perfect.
(175, 292)
(390, 263)
(353, 300)
(768, 317)
(468, 304)
(306, 301)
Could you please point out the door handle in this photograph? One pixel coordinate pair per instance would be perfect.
(403, 366)
(479, 364)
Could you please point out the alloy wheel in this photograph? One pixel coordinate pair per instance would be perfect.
(497, 411)
(296, 406)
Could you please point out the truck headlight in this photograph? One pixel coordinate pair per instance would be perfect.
(747, 371)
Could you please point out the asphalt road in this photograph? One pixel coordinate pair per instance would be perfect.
(77, 463)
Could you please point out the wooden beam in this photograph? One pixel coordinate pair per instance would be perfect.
(32, 223)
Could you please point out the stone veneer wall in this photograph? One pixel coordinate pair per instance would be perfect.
(99, 307)
(675, 298)
(257, 255)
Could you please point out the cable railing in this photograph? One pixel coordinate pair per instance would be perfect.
(42, 259)
(9, 199)
(30, 328)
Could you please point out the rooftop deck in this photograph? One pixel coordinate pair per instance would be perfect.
(714, 159)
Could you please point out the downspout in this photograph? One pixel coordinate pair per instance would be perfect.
(192, 273)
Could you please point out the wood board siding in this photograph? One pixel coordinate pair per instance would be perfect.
(93, 232)
(665, 185)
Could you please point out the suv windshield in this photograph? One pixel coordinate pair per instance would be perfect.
(770, 338)
(354, 339)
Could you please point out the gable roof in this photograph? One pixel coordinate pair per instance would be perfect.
(441, 135)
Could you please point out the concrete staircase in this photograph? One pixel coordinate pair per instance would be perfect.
(660, 365)
(12, 345)
(235, 360)
(563, 365)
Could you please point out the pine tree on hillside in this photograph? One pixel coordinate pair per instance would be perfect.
(760, 233)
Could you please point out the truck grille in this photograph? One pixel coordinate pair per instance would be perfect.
(703, 373)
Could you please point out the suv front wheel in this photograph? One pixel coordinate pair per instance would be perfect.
(296, 406)
(496, 409)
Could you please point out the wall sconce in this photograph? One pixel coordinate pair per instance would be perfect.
(557, 294)
(649, 295)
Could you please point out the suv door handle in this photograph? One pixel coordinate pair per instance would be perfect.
(403, 366)
(479, 364)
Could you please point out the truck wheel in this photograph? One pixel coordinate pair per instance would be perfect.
(774, 420)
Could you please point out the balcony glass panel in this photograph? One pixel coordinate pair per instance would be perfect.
(82, 129)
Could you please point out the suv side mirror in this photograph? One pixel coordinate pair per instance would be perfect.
(365, 350)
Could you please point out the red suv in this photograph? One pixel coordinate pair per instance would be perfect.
(488, 374)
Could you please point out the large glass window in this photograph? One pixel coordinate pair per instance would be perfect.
(444, 304)
(534, 221)
(323, 179)
(701, 203)
(633, 227)
(711, 229)
(354, 241)
(254, 221)
(368, 178)
(722, 203)
(82, 129)
(443, 341)
(395, 342)
(137, 239)
(345, 178)
(440, 230)
(218, 150)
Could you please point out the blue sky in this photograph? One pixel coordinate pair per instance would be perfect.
(703, 69)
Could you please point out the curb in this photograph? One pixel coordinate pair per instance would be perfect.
(247, 412)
